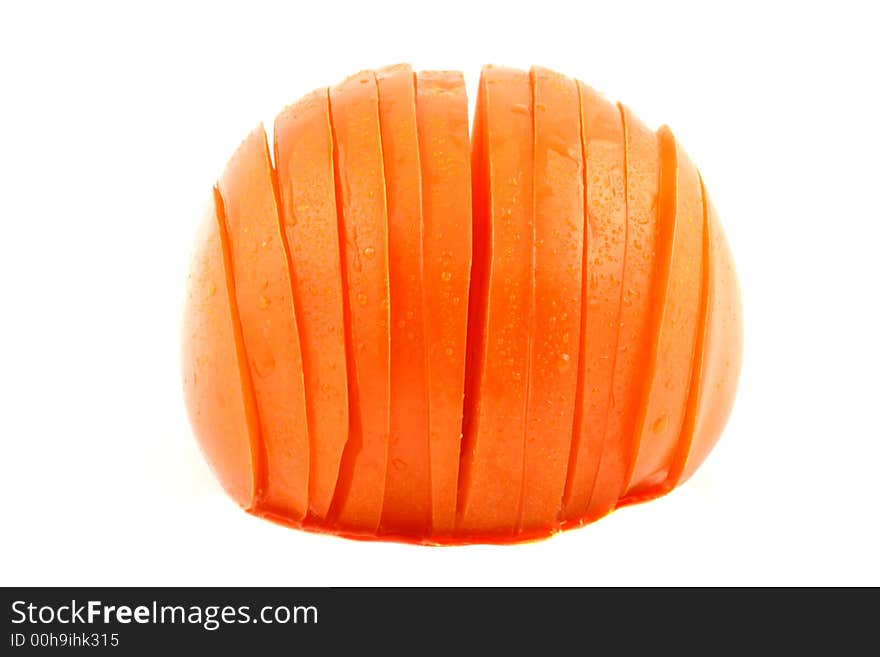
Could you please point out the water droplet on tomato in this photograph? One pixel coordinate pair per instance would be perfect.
(660, 424)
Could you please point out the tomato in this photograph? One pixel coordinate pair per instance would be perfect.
(401, 331)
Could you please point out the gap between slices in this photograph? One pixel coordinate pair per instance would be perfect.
(478, 296)
(259, 262)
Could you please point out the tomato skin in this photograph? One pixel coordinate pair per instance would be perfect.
(483, 338)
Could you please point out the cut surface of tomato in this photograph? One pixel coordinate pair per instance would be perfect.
(407, 504)
(676, 313)
(263, 291)
(500, 306)
(605, 228)
(559, 242)
(304, 158)
(360, 203)
(444, 146)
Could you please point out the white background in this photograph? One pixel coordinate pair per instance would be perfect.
(114, 122)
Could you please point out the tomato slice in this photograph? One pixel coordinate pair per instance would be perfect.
(360, 202)
(722, 347)
(216, 380)
(263, 291)
(676, 314)
(304, 158)
(690, 411)
(407, 504)
(606, 238)
(444, 148)
(557, 275)
(500, 306)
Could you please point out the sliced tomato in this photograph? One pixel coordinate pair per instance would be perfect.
(407, 333)
(444, 148)
(216, 380)
(559, 243)
(500, 306)
(360, 201)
